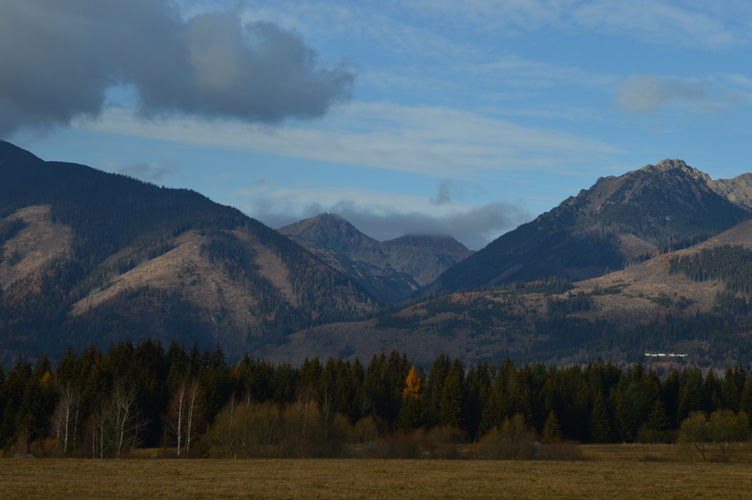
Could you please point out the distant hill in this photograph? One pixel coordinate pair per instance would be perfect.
(88, 257)
(601, 228)
(392, 270)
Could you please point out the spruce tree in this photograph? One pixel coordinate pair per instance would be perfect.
(452, 397)
(435, 387)
(600, 431)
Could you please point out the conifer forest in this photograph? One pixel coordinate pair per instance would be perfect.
(96, 404)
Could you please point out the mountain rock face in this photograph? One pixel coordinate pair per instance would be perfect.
(392, 270)
(88, 257)
(601, 228)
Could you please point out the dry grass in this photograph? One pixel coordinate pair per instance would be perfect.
(622, 477)
(740, 454)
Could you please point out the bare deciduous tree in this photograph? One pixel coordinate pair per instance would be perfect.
(65, 419)
(185, 414)
(123, 419)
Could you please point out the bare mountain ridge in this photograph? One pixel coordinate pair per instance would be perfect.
(393, 270)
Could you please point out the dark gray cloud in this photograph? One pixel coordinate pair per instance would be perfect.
(58, 59)
(475, 228)
(444, 194)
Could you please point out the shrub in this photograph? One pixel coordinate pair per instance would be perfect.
(512, 440)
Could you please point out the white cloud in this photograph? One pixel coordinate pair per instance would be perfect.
(383, 215)
(435, 141)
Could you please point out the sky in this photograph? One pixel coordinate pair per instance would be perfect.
(465, 118)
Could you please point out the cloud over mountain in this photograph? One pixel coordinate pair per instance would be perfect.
(474, 227)
(59, 59)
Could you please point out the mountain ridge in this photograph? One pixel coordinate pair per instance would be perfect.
(600, 228)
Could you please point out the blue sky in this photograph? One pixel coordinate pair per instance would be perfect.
(466, 118)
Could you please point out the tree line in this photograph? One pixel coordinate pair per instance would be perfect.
(100, 404)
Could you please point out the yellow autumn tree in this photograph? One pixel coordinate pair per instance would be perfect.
(412, 413)
(413, 385)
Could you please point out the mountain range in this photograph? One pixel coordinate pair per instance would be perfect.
(392, 270)
(655, 259)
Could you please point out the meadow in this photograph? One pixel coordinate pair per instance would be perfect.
(609, 471)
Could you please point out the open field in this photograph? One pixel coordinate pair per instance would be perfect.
(395, 479)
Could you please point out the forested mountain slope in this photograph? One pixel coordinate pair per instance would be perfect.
(88, 257)
(601, 228)
(694, 301)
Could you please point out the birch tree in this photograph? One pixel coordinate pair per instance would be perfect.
(64, 421)
(185, 415)
(123, 420)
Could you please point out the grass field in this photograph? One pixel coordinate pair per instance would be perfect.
(612, 472)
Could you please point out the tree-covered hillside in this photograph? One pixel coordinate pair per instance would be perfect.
(117, 226)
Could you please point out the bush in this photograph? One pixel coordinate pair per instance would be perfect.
(440, 443)
(512, 440)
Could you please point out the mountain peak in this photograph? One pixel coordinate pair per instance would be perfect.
(676, 166)
(669, 164)
(331, 231)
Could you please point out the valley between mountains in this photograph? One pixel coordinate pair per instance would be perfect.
(658, 259)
